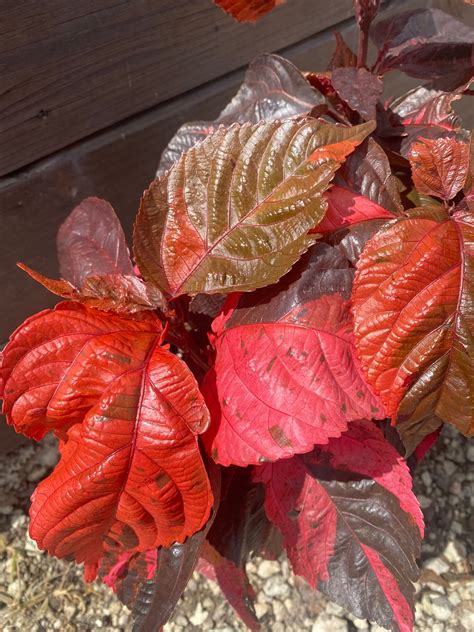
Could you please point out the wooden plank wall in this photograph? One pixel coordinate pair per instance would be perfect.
(91, 91)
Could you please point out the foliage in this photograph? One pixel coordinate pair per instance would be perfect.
(303, 272)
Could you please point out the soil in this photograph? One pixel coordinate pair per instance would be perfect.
(39, 593)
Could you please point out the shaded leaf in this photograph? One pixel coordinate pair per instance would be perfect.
(120, 293)
(151, 583)
(207, 304)
(414, 431)
(273, 89)
(359, 88)
(347, 208)
(426, 106)
(91, 242)
(368, 172)
(439, 167)
(351, 524)
(413, 316)
(214, 223)
(247, 10)
(233, 582)
(241, 527)
(425, 43)
(352, 242)
(285, 375)
(343, 56)
(128, 412)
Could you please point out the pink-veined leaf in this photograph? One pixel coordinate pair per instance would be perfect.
(247, 10)
(128, 412)
(351, 524)
(120, 293)
(91, 242)
(285, 375)
(413, 316)
(248, 228)
(273, 89)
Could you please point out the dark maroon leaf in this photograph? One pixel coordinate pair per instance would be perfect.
(273, 88)
(186, 137)
(157, 598)
(352, 242)
(359, 88)
(152, 582)
(207, 304)
(91, 242)
(365, 11)
(414, 431)
(425, 43)
(367, 171)
(343, 56)
(241, 527)
(351, 523)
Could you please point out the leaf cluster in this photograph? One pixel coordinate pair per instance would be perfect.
(301, 279)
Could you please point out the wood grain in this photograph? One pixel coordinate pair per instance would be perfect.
(70, 68)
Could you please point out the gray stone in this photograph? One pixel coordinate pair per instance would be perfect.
(449, 467)
(261, 609)
(455, 552)
(437, 565)
(470, 453)
(275, 586)
(267, 569)
(441, 608)
(199, 616)
(329, 623)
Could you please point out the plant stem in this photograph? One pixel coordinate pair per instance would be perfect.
(363, 47)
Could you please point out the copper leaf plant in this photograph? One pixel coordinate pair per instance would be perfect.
(301, 278)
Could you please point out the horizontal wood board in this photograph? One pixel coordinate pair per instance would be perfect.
(70, 68)
(116, 164)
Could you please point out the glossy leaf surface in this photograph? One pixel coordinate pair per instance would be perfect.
(120, 293)
(214, 223)
(439, 167)
(247, 10)
(413, 316)
(273, 89)
(425, 43)
(367, 171)
(91, 242)
(285, 375)
(351, 524)
(347, 208)
(128, 412)
(359, 88)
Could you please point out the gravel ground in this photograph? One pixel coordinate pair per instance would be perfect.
(39, 593)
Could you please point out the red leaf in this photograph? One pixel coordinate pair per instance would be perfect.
(247, 10)
(285, 375)
(439, 167)
(91, 242)
(351, 524)
(233, 582)
(129, 412)
(359, 88)
(123, 294)
(413, 316)
(347, 208)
